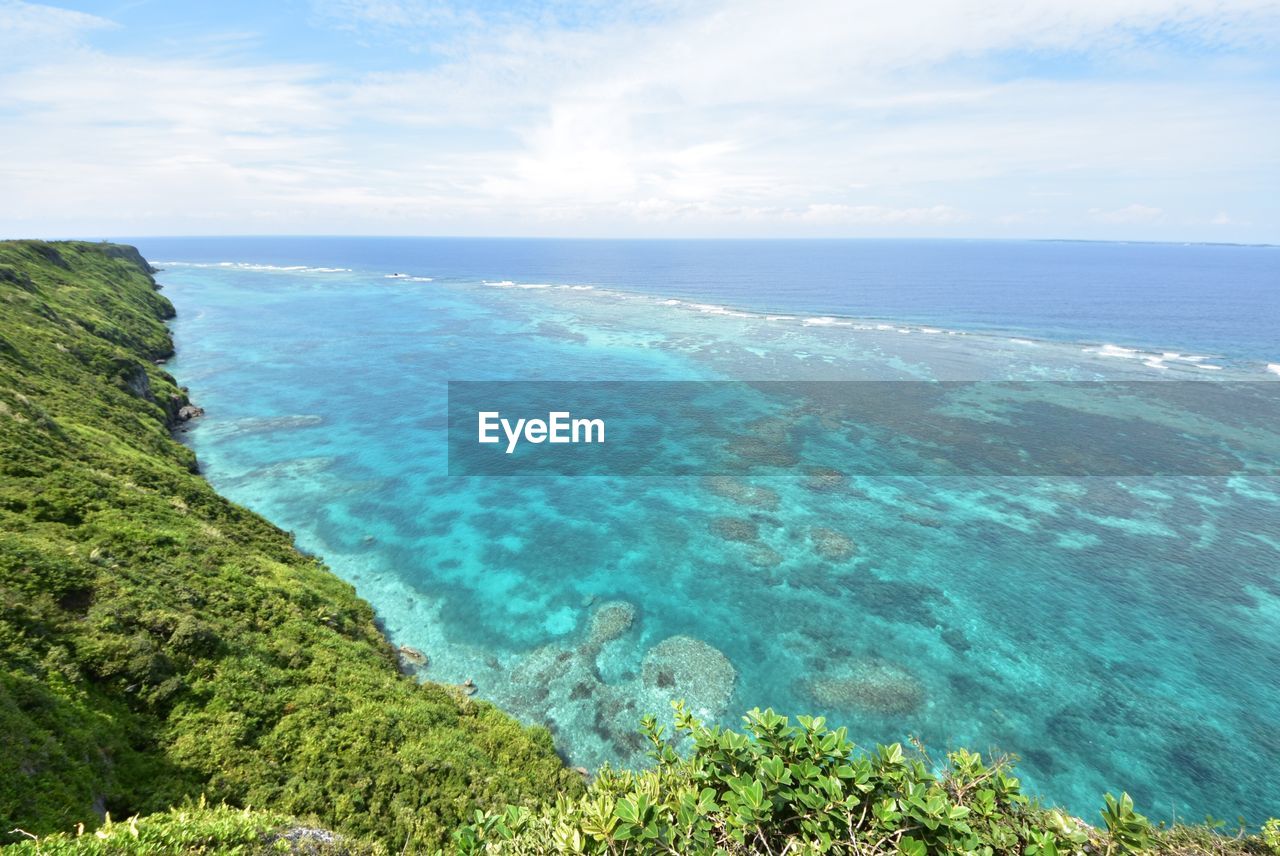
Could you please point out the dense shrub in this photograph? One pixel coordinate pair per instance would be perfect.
(803, 788)
(158, 642)
(198, 829)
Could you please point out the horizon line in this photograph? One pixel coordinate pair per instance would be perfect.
(655, 239)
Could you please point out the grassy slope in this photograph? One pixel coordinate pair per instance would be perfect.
(158, 642)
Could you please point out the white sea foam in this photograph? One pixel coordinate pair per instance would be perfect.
(708, 309)
(256, 267)
(1114, 351)
(1159, 360)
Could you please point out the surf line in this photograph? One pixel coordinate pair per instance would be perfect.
(558, 427)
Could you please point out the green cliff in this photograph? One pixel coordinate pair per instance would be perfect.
(158, 642)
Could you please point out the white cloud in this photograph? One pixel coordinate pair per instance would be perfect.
(1128, 214)
(856, 214)
(19, 20)
(748, 117)
(31, 31)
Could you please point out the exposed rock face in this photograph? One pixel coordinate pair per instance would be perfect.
(873, 686)
(411, 657)
(189, 411)
(308, 840)
(134, 379)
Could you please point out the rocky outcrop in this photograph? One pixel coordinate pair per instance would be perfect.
(411, 659)
(133, 377)
(129, 254)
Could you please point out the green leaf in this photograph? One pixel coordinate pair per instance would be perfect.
(909, 846)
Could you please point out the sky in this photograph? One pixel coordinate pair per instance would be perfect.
(1090, 119)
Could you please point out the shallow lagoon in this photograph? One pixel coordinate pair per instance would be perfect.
(1114, 632)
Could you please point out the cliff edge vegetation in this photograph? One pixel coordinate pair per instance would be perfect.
(159, 643)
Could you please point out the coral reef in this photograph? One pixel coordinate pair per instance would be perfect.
(832, 545)
(735, 529)
(682, 667)
(823, 479)
(872, 685)
(741, 492)
(763, 556)
(608, 622)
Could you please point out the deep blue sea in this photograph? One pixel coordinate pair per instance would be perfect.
(1114, 632)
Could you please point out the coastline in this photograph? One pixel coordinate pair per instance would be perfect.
(220, 619)
(173, 645)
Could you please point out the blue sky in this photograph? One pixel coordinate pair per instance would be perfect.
(1108, 119)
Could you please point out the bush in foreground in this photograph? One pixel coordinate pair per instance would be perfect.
(199, 829)
(780, 788)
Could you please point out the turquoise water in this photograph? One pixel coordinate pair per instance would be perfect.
(1113, 632)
